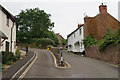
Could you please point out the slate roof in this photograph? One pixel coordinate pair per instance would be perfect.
(2, 35)
(8, 13)
(74, 31)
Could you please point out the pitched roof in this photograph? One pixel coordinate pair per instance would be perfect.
(59, 37)
(7, 13)
(98, 24)
(2, 35)
(74, 31)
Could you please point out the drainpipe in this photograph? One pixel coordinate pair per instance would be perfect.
(11, 37)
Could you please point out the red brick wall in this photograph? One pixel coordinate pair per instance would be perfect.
(103, 9)
(104, 22)
(99, 24)
(110, 54)
(90, 26)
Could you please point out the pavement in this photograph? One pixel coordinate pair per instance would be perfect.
(23, 53)
(14, 68)
(81, 67)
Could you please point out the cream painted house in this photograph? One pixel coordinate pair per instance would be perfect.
(7, 31)
(75, 43)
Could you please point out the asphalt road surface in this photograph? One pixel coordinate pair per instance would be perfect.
(81, 67)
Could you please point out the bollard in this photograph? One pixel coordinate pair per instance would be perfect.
(61, 59)
(48, 48)
(26, 49)
(83, 53)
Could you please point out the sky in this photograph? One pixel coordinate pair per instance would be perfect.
(65, 13)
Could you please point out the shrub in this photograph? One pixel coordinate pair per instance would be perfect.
(109, 38)
(9, 62)
(49, 46)
(46, 42)
(8, 57)
(42, 42)
(17, 51)
(89, 40)
(64, 42)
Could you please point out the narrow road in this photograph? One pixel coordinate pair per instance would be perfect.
(81, 67)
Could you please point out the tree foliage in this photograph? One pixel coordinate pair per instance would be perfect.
(89, 40)
(34, 24)
(64, 42)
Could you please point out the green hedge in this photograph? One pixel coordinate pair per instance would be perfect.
(42, 43)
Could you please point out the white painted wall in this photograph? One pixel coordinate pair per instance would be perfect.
(7, 31)
(0, 20)
(0, 25)
(73, 39)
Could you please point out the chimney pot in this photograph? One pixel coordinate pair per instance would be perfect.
(103, 8)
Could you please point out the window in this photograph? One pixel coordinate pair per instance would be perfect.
(7, 21)
(80, 31)
(74, 35)
(81, 44)
(7, 46)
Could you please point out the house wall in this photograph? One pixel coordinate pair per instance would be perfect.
(106, 21)
(99, 24)
(90, 27)
(76, 36)
(7, 31)
(0, 20)
(0, 26)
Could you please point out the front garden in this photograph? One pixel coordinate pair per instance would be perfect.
(9, 58)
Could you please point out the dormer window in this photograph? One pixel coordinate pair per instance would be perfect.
(7, 21)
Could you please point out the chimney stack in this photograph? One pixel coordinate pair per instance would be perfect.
(86, 19)
(103, 8)
(79, 25)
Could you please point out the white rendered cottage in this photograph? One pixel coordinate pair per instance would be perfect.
(75, 43)
(7, 31)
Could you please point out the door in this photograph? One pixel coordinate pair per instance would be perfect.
(7, 46)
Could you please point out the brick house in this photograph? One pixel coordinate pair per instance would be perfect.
(59, 38)
(98, 25)
(7, 31)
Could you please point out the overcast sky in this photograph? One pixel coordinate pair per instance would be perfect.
(65, 13)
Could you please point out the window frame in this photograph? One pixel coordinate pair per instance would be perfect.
(80, 31)
(7, 21)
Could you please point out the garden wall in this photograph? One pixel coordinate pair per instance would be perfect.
(110, 54)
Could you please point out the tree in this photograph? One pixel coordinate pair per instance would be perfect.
(33, 23)
(46, 42)
(89, 40)
(64, 42)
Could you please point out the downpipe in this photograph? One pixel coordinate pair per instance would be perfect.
(11, 37)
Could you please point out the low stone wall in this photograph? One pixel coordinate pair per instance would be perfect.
(110, 54)
(55, 51)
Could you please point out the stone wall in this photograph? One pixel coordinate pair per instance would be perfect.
(110, 54)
